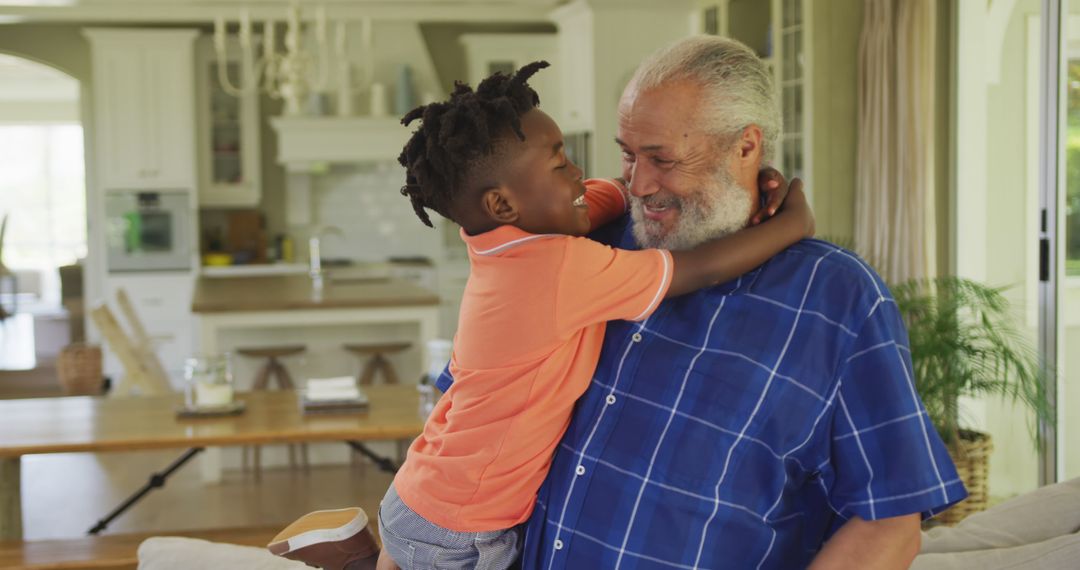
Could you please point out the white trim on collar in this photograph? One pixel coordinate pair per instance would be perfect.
(663, 286)
(510, 244)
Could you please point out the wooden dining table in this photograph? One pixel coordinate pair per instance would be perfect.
(100, 424)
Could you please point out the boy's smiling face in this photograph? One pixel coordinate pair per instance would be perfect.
(542, 192)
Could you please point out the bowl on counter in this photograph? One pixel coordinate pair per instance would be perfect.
(217, 259)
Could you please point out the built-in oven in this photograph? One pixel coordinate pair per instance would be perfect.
(148, 231)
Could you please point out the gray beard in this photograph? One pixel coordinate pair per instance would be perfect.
(717, 211)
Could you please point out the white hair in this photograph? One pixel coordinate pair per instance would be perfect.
(739, 87)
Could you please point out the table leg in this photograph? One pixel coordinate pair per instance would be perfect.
(211, 465)
(11, 498)
(157, 480)
(382, 462)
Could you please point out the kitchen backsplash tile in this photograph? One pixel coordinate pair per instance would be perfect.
(377, 221)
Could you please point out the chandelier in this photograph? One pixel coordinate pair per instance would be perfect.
(301, 69)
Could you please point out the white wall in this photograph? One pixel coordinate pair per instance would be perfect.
(376, 220)
(619, 45)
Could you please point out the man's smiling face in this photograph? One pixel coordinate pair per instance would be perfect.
(683, 188)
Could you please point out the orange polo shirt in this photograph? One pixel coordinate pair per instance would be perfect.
(528, 341)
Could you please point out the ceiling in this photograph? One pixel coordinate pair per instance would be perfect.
(129, 11)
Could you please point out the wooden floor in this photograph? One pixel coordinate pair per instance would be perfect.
(66, 494)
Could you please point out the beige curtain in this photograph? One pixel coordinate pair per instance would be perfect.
(894, 186)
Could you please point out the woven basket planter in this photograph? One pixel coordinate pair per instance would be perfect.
(79, 368)
(971, 454)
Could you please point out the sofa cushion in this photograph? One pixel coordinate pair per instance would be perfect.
(176, 553)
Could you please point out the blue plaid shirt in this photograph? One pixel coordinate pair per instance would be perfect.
(741, 426)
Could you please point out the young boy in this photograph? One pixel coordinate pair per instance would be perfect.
(532, 320)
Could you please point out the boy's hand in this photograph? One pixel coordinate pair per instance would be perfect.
(775, 188)
(797, 205)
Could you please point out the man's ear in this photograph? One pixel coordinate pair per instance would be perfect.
(748, 154)
(749, 144)
(499, 205)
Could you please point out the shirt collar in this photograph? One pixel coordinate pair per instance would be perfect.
(736, 286)
(499, 240)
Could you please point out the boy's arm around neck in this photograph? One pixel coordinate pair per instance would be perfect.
(726, 258)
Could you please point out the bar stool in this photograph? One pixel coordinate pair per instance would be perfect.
(273, 369)
(379, 362)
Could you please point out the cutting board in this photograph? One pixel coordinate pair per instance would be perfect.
(246, 235)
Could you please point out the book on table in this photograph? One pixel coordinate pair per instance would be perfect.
(340, 394)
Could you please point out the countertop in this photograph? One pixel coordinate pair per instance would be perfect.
(352, 268)
(295, 292)
(254, 270)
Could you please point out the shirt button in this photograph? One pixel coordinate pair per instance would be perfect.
(636, 337)
(580, 470)
(610, 399)
(558, 545)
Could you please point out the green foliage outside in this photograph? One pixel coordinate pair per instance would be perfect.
(1072, 172)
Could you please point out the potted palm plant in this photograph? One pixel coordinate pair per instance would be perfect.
(964, 342)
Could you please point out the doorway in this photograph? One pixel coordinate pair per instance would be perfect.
(1017, 210)
(43, 190)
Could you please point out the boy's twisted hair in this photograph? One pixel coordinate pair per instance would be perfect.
(454, 135)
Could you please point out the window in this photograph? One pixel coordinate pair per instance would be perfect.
(1072, 172)
(42, 189)
(792, 84)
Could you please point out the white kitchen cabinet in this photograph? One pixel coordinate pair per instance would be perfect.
(163, 304)
(144, 110)
(423, 275)
(487, 53)
(576, 77)
(228, 133)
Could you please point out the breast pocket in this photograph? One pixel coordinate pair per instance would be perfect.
(756, 420)
(694, 422)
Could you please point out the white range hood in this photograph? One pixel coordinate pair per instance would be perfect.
(304, 142)
(307, 145)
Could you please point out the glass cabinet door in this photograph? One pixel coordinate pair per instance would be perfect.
(226, 141)
(229, 146)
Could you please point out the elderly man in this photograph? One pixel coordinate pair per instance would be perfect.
(770, 422)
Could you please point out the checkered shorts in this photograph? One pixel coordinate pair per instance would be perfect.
(417, 544)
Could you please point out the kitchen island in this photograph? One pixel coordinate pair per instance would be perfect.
(239, 312)
(272, 310)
